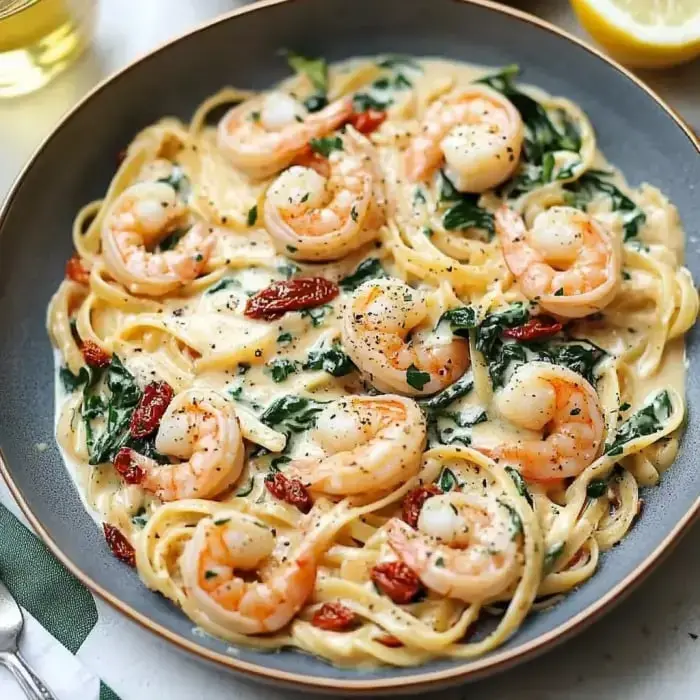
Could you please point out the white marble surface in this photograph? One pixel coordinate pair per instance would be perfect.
(643, 650)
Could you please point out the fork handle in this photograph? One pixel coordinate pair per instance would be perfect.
(30, 683)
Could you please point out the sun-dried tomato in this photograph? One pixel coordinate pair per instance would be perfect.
(396, 580)
(127, 468)
(388, 640)
(291, 491)
(367, 122)
(120, 546)
(94, 355)
(146, 417)
(536, 328)
(308, 158)
(290, 295)
(414, 500)
(76, 271)
(334, 617)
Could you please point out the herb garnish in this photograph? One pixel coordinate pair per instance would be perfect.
(326, 145)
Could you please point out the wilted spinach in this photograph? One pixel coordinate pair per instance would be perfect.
(368, 269)
(647, 420)
(594, 183)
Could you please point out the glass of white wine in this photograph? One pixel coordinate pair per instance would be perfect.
(39, 38)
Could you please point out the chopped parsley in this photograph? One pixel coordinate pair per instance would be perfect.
(326, 145)
(252, 215)
(416, 378)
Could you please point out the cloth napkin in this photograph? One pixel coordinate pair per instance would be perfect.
(59, 614)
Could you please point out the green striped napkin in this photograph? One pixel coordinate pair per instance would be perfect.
(43, 586)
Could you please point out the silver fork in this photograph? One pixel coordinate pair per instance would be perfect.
(11, 623)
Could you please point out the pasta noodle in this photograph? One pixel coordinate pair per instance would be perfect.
(376, 377)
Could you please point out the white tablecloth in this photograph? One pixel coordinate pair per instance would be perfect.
(643, 650)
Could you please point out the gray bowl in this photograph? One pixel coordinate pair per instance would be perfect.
(635, 129)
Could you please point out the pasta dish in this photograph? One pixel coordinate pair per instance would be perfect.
(373, 364)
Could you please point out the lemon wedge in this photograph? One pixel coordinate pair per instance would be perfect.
(644, 33)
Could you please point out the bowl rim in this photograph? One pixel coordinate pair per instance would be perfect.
(471, 669)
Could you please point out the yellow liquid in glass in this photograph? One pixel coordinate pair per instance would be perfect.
(38, 39)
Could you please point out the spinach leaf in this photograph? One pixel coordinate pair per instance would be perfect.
(363, 102)
(288, 269)
(520, 484)
(280, 368)
(463, 421)
(316, 102)
(252, 215)
(580, 356)
(516, 524)
(72, 381)
(113, 410)
(592, 184)
(543, 137)
(140, 518)
(440, 401)
(332, 360)
(647, 420)
(501, 360)
(245, 490)
(461, 320)
(447, 480)
(489, 330)
(315, 69)
(466, 213)
(551, 556)
(291, 414)
(177, 180)
(447, 192)
(224, 283)
(368, 269)
(172, 239)
(416, 378)
(326, 145)
(317, 315)
(596, 488)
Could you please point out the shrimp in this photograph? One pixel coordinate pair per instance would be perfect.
(476, 131)
(221, 549)
(560, 403)
(465, 546)
(140, 217)
(567, 262)
(377, 321)
(199, 426)
(263, 135)
(372, 444)
(317, 218)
